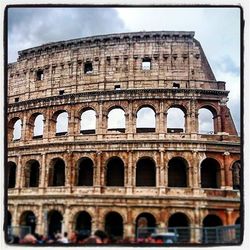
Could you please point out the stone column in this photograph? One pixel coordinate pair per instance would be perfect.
(42, 184)
(15, 219)
(19, 171)
(71, 124)
(228, 171)
(195, 171)
(24, 130)
(66, 219)
(47, 124)
(97, 179)
(99, 122)
(161, 172)
(129, 172)
(40, 221)
(161, 125)
(130, 124)
(196, 234)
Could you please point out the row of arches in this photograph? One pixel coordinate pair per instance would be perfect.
(145, 173)
(114, 223)
(116, 121)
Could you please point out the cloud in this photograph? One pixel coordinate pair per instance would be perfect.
(29, 27)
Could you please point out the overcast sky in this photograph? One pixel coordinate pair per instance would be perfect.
(217, 29)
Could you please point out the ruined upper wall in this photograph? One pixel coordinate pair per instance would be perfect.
(119, 61)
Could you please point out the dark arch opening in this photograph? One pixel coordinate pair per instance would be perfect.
(237, 222)
(32, 174)
(177, 173)
(144, 225)
(83, 223)
(57, 173)
(9, 219)
(114, 225)
(115, 172)
(210, 174)
(54, 223)
(85, 172)
(12, 174)
(236, 174)
(28, 218)
(180, 222)
(210, 234)
(145, 173)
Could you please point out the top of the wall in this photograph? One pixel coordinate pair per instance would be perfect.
(132, 36)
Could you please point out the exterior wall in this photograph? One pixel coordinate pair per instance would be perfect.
(175, 58)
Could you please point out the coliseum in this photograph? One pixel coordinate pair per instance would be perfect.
(81, 169)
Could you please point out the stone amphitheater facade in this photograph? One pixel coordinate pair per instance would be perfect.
(119, 178)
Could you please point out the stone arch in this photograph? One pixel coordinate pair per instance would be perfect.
(210, 173)
(145, 119)
(88, 121)
(32, 172)
(83, 223)
(57, 172)
(54, 220)
(28, 219)
(180, 223)
(144, 221)
(12, 171)
(36, 125)
(207, 118)
(114, 225)
(236, 175)
(116, 119)
(60, 119)
(15, 129)
(85, 172)
(177, 172)
(145, 172)
(176, 119)
(115, 172)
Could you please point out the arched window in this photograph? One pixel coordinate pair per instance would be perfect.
(62, 123)
(206, 122)
(54, 219)
(145, 121)
(83, 223)
(210, 234)
(179, 223)
(114, 225)
(116, 120)
(84, 172)
(28, 218)
(12, 174)
(9, 219)
(177, 172)
(210, 173)
(57, 172)
(38, 126)
(144, 221)
(88, 122)
(17, 130)
(32, 173)
(175, 120)
(236, 174)
(115, 172)
(145, 173)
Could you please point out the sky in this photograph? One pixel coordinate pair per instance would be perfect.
(217, 29)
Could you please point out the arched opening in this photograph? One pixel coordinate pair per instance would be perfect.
(144, 225)
(206, 121)
(12, 174)
(57, 172)
(9, 219)
(210, 233)
(85, 172)
(237, 222)
(238, 228)
(54, 223)
(38, 126)
(177, 172)
(179, 223)
(88, 122)
(145, 173)
(28, 219)
(17, 130)
(83, 223)
(236, 174)
(32, 173)
(116, 120)
(114, 225)
(115, 172)
(210, 173)
(62, 123)
(175, 120)
(145, 120)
